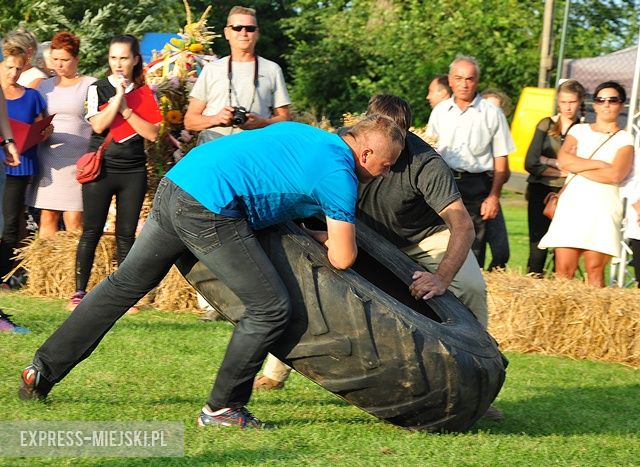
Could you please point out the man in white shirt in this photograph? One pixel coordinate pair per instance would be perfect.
(473, 137)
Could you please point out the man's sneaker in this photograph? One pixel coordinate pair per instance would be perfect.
(6, 325)
(239, 417)
(264, 383)
(33, 384)
(75, 300)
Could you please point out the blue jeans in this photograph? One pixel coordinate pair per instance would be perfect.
(228, 247)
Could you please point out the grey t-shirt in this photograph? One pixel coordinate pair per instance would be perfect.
(404, 206)
(212, 87)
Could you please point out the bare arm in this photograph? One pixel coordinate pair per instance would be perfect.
(103, 119)
(426, 285)
(615, 172)
(340, 241)
(569, 161)
(280, 114)
(195, 121)
(501, 173)
(147, 130)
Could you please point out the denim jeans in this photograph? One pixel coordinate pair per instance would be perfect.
(228, 247)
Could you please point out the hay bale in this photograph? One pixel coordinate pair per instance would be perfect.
(563, 317)
(50, 264)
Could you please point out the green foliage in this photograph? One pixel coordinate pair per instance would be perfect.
(94, 22)
(345, 51)
(272, 45)
(158, 366)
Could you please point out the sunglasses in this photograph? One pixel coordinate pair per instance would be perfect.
(612, 100)
(240, 27)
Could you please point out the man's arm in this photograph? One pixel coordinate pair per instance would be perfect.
(195, 121)
(280, 114)
(491, 204)
(340, 241)
(426, 285)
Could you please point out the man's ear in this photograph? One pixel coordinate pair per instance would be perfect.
(366, 152)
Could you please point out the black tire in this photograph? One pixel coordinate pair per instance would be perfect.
(416, 364)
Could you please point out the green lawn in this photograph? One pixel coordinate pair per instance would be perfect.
(157, 366)
(515, 212)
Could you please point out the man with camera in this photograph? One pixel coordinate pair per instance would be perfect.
(240, 92)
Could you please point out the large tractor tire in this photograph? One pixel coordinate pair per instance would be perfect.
(424, 365)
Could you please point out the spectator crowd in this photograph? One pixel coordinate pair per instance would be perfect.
(438, 198)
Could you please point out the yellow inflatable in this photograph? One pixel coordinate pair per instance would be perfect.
(534, 104)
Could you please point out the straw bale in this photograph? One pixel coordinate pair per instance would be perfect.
(525, 315)
(563, 317)
(50, 265)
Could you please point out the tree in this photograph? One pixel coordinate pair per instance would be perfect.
(93, 22)
(345, 51)
(272, 45)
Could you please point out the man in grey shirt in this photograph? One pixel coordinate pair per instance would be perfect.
(241, 80)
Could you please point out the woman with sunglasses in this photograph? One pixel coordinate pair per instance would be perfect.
(598, 157)
(123, 173)
(542, 164)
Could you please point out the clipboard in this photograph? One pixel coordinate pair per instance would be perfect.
(27, 135)
(143, 103)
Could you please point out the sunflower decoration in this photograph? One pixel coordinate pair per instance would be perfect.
(171, 74)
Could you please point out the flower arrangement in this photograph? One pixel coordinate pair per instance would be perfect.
(171, 74)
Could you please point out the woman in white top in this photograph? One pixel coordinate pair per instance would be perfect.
(587, 222)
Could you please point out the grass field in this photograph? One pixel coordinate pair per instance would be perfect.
(515, 212)
(157, 366)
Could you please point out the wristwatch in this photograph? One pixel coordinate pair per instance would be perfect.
(6, 141)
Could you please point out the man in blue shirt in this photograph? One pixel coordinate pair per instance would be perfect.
(209, 204)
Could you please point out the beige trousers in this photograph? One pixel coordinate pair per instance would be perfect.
(468, 286)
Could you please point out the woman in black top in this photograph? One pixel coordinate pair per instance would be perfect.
(123, 172)
(541, 162)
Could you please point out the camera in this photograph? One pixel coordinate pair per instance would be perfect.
(239, 115)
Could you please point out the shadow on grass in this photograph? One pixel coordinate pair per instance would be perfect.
(218, 456)
(571, 411)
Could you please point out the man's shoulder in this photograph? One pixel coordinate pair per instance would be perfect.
(418, 150)
(266, 64)
(441, 110)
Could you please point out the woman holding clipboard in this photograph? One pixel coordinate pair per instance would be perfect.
(27, 106)
(123, 172)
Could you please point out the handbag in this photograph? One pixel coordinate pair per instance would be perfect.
(89, 165)
(551, 200)
(551, 203)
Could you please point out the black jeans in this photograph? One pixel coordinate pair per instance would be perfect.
(498, 240)
(635, 260)
(538, 224)
(129, 190)
(228, 247)
(13, 211)
(474, 189)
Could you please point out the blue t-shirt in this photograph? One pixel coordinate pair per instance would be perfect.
(271, 175)
(26, 109)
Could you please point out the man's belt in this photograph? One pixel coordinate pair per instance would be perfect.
(459, 175)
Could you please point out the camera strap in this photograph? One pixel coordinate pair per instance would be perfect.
(232, 89)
